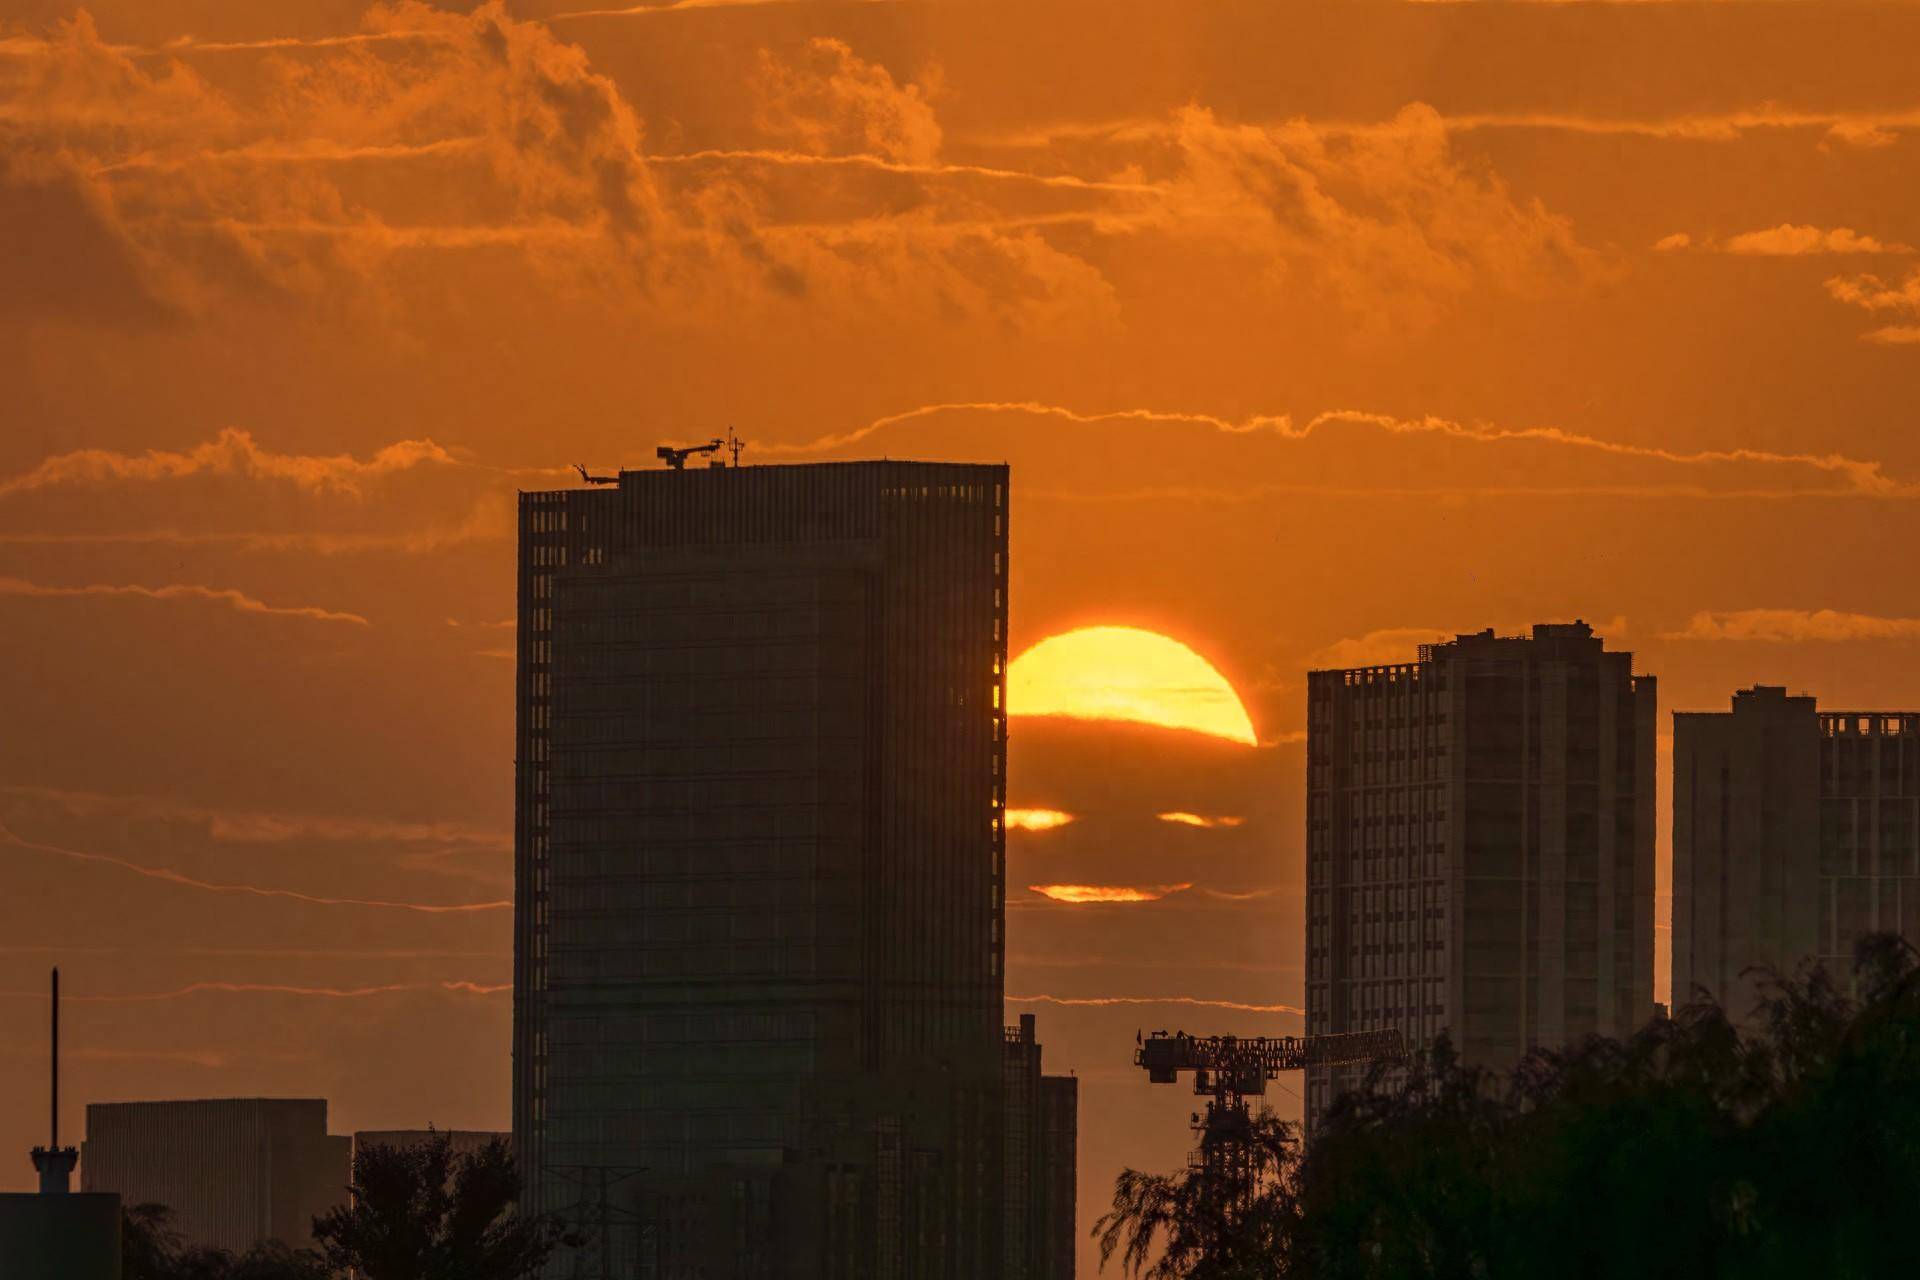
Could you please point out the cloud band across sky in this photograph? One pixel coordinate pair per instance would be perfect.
(227, 596)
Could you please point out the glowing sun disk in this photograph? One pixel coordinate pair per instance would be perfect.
(1126, 673)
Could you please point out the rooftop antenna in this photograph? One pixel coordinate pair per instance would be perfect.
(54, 1161)
(734, 444)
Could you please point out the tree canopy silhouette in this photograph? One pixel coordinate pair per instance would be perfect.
(151, 1249)
(1788, 1147)
(421, 1212)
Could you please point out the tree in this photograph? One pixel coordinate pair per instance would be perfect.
(1692, 1149)
(1207, 1223)
(152, 1250)
(420, 1212)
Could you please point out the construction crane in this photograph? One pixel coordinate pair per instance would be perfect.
(676, 459)
(1230, 1069)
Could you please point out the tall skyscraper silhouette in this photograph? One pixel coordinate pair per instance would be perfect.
(1795, 833)
(759, 920)
(1480, 841)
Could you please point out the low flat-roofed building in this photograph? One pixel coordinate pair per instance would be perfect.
(233, 1172)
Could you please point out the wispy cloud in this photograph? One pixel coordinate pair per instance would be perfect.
(1865, 129)
(1859, 476)
(227, 596)
(1376, 648)
(1105, 1001)
(1182, 818)
(232, 452)
(249, 890)
(460, 987)
(1878, 295)
(181, 45)
(255, 826)
(1085, 893)
(1037, 819)
(922, 169)
(677, 6)
(1252, 895)
(1794, 625)
(1788, 240)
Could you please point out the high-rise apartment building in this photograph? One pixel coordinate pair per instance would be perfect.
(1039, 1163)
(1480, 844)
(759, 903)
(233, 1172)
(1795, 833)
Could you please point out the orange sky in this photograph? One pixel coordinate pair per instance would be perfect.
(1309, 330)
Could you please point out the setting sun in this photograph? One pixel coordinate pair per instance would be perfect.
(1125, 673)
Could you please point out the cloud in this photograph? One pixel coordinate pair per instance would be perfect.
(1103, 1001)
(509, 116)
(84, 263)
(1858, 476)
(174, 877)
(460, 987)
(1251, 895)
(520, 153)
(832, 102)
(252, 826)
(1873, 293)
(233, 452)
(922, 169)
(1878, 295)
(676, 6)
(1865, 129)
(177, 591)
(1376, 648)
(1037, 819)
(1790, 626)
(1389, 222)
(489, 521)
(1084, 893)
(1788, 240)
(1182, 818)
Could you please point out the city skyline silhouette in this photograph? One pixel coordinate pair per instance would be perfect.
(1308, 335)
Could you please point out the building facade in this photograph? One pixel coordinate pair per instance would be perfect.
(759, 901)
(1040, 1162)
(234, 1172)
(1746, 843)
(1480, 847)
(1060, 1168)
(1796, 832)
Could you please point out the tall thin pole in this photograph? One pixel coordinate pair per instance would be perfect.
(53, 1139)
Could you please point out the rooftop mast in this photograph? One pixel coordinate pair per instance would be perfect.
(54, 1161)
